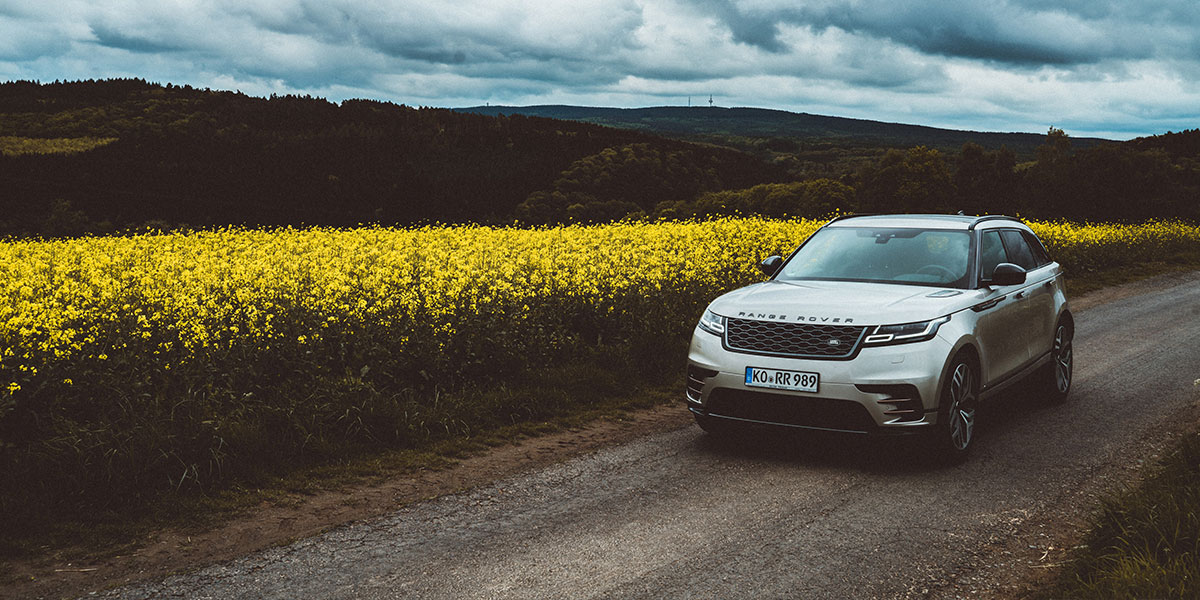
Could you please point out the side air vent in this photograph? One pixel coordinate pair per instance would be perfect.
(695, 382)
(902, 402)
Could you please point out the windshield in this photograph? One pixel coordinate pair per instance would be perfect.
(935, 257)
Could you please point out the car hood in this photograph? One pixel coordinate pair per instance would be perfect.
(842, 302)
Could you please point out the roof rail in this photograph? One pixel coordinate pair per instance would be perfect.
(991, 218)
(848, 216)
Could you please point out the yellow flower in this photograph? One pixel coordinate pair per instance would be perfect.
(232, 292)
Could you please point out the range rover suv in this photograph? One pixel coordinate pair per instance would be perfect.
(886, 324)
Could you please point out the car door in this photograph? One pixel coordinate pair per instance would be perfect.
(1037, 293)
(1002, 346)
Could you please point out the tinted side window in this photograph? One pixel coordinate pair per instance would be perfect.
(1039, 251)
(991, 254)
(1018, 250)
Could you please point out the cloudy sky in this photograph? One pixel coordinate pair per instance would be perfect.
(1108, 68)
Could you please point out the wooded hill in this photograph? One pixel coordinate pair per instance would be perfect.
(118, 153)
(814, 145)
(800, 129)
(101, 156)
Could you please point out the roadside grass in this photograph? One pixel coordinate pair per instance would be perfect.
(1079, 284)
(1144, 541)
(559, 398)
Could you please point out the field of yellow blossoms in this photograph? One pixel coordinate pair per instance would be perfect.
(156, 361)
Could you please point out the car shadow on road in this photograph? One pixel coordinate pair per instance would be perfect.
(818, 449)
(1011, 410)
(1017, 407)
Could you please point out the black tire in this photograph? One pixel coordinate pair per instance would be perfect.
(1056, 377)
(954, 434)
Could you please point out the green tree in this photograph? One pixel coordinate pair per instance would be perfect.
(984, 181)
(1056, 148)
(1047, 188)
(916, 180)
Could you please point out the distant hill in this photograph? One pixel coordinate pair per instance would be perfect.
(100, 155)
(804, 129)
(1182, 144)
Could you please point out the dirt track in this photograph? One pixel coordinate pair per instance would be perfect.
(673, 514)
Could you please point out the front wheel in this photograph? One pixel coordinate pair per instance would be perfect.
(958, 408)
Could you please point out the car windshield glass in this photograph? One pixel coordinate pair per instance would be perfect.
(934, 257)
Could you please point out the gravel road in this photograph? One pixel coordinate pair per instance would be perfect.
(678, 515)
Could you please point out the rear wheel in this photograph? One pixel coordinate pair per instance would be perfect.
(955, 431)
(1057, 376)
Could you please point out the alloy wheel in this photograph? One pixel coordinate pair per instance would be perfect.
(962, 406)
(1063, 357)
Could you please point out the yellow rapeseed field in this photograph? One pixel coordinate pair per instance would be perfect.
(148, 360)
(177, 295)
(180, 296)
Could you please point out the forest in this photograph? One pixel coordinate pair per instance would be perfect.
(807, 145)
(119, 155)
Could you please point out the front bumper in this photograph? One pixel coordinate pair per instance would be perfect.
(882, 390)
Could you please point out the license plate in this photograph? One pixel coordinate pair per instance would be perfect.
(778, 379)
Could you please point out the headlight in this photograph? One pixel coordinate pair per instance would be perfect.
(712, 323)
(904, 333)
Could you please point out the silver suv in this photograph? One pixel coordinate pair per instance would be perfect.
(885, 324)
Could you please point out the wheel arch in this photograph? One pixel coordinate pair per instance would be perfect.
(967, 348)
(1066, 316)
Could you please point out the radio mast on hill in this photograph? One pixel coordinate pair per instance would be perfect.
(710, 100)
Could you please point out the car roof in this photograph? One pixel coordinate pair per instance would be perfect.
(961, 222)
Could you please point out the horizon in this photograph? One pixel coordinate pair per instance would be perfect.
(583, 106)
(1105, 69)
(767, 108)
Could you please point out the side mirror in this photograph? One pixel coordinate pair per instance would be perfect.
(770, 265)
(1007, 274)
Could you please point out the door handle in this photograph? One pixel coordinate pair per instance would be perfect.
(1019, 295)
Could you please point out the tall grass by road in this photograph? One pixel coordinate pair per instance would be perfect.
(135, 366)
(1144, 541)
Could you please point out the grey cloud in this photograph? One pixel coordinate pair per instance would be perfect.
(760, 29)
(505, 51)
(1020, 32)
(325, 20)
(442, 55)
(996, 32)
(678, 72)
(1155, 12)
(567, 73)
(20, 40)
(425, 32)
(113, 37)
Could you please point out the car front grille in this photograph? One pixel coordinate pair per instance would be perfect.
(800, 340)
(783, 409)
